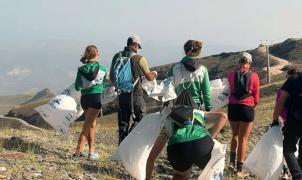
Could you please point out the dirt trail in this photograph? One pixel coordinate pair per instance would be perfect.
(274, 70)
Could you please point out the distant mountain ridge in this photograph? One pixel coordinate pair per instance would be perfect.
(220, 64)
(218, 67)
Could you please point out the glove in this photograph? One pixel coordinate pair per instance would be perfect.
(275, 123)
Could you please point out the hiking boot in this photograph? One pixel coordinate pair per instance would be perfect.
(78, 155)
(93, 156)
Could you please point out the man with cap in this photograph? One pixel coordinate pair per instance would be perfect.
(132, 103)
(244, 96)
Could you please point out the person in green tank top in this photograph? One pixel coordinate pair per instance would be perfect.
(189, 142)
(90, 80)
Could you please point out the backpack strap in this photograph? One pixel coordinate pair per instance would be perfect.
(194, 76)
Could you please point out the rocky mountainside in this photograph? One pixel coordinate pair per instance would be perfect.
(291, 49)
(219, 65)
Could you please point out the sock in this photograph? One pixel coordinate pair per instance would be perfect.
(232, 157)
(239, 166)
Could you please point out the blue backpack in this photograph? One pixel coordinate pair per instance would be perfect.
(123, 74)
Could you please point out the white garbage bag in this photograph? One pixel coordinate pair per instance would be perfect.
(219, 93)
(214, 168)
(135, 148)
(266, 159)
(59, 112)
(65, 108)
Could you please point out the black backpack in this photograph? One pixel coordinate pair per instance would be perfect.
(184, 115)
(241, 84)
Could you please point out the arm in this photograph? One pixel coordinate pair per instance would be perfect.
(256, 89)
(219, 119)
(206, 91)
(155, 151)
(111, 74)
(150, 75)
(78, 81)
(279, 105)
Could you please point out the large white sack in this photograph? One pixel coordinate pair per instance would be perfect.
(59, 112)
(266, 159)
(135, 148)
(214, 168)
(219, 93)
(65, 108)
(166, 89)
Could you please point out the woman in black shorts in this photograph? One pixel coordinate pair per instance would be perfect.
(244, 96)
(90, 81)
(188, 141)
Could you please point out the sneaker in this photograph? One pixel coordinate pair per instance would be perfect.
(242, 174)
(231, 166)
(93, 156)
(78, 155)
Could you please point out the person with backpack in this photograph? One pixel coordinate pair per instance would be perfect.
(126, 72)
(291, 94)
(189, 142)
(191, 77)
(90, 80)
(244, 97)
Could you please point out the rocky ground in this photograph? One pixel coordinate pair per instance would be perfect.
(30, 154)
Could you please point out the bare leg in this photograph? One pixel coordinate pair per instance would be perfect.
(91, 126)
(244, 133)
(235, 131)
(82, 138)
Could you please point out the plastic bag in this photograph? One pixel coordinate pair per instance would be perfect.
(59, 112)
(65, 108)
(219, 93)
(135, 148)
(266, 159)
(214, 168)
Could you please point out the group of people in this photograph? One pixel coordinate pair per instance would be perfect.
(189, 142)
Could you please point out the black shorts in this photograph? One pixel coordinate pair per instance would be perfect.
(91, 101)
(240, 112)
(183, 155)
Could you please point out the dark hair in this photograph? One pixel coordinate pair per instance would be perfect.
(292, 71)
(244, 60)
(91, 52)
(192, 46)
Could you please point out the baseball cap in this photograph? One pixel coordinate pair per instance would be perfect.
(247, 56)
(134, 39)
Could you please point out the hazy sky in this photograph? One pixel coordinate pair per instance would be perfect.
(39, 38)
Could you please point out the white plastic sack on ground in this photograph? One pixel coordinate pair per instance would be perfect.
(265, 160)
(214, 168)
(135, 148)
